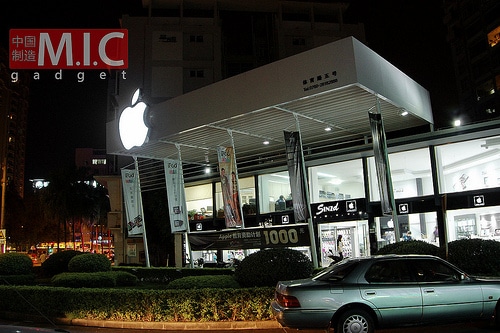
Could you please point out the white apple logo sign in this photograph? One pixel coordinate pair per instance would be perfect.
(133, 130)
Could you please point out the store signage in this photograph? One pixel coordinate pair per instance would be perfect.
(337, 210)
(254, 238)
(68, 49)
(350, 206)
(478, 200)
(403, 208)
(3, 236)
(319, 80)
(133, 130)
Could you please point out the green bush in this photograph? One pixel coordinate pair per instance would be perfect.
(267, 267)
(14, 263)
(123, 279)
(23, 279)
(89, 262)
(84, 280)
(130, 304)
(410, 247)
(475, 256)
(58, 262)
(164, 275)
(205, 281)
(94, 280)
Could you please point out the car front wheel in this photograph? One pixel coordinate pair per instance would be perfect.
(355, 321)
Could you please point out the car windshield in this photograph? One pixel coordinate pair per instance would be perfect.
(338, 271)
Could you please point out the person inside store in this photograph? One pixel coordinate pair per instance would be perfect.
(407, 236)
(340, 247)
(280, 203)
(43, 257)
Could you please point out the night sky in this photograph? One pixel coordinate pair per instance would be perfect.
(65, 114)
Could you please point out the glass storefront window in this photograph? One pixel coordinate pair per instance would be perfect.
(419, 226)
(355, 240)
(469, 165)
(275, 192)
(247, 195)
(478, 222)
(410, 172)
(199, 200)
(338, 181)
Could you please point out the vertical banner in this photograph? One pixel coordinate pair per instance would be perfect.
(230, 187)
(133, 202)
(176, 195)
(381, 163)
(294, 160)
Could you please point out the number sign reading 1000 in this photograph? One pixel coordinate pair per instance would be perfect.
(282, 236)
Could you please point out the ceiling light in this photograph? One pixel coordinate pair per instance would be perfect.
(403, 113)
(335, 181)
(328, 129)
(457, 122)
(265, 142)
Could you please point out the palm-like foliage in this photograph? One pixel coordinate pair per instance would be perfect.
(72, 199)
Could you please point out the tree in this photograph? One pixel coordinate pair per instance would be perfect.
(75, 200)
(157, 222)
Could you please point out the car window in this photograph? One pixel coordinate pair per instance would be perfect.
(388, 271)
(338, 271)
(428, 270)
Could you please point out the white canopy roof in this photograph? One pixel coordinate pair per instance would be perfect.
(333, 85)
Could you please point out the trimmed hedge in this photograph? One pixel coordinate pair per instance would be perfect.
(410, 247)
(94, 280)
(267, 267)
(14, 263)
(206, 281)
(168, 274)
(141, 305)
(89, 262)
(83, 280)
(57, 262)
(23, 279)
(475, 256)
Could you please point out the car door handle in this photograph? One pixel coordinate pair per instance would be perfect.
(428, 290)
(370, 293)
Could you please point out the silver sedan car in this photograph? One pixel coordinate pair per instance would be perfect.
(358, 295)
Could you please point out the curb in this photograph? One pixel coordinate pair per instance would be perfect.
(166, 326)
(173, 326)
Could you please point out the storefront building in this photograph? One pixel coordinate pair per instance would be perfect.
(445, 183)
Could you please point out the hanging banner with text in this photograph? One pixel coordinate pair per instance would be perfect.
(381, 162)
(229, 186)
(133, 202)
(295, 164)
(254, 238)
(176, 196)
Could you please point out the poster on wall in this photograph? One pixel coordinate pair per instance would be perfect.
(176, 196)
(296, 172)
(230, 187)
(131, 250)
(133, 202)
(258, 238)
